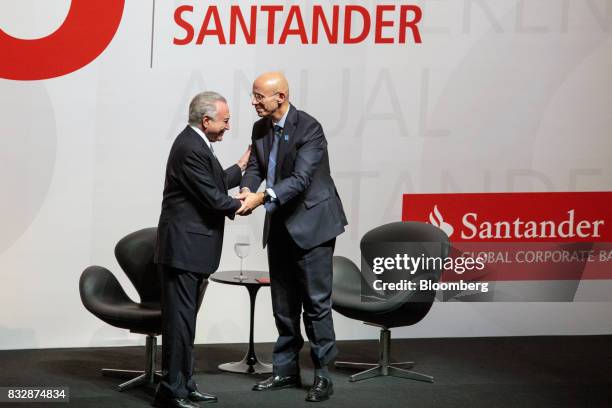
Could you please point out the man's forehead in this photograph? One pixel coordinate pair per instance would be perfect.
(222, 107)
(263, 85)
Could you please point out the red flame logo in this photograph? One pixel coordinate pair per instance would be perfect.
(437, 220)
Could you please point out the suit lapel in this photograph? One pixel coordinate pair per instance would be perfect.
(218, 171)
(287, 139)
(215, 160)
(267, 143)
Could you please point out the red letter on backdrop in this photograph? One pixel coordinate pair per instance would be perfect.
(318, 14)
(380, 23)
(88, 29)
(271, 10)
(178, 19)
(294, 12)
(348, 11)
(218, 30)
(405, 23)
(236, 16)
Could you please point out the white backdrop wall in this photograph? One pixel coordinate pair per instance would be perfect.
(501, 95)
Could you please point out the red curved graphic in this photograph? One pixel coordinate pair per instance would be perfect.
(88, 29)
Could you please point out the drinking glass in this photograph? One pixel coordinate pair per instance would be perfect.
(241, 248)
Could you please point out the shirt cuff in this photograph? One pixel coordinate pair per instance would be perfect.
(271, 193)
(272, 205)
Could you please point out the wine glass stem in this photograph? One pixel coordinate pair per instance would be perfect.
(241, 266)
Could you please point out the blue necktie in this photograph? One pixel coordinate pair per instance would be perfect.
(271, 176)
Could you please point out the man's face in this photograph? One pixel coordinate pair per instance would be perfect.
(214, 128)
(264, 100)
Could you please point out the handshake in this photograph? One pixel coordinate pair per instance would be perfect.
(249, 200)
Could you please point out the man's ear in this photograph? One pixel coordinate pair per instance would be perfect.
(205, 122)
(281, 97)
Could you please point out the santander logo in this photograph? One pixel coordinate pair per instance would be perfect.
(518, 217)
(518, 228)
(88, 29)
(523, 236)
(567, 227)
(437, 220)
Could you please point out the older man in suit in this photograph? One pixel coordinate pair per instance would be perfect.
(189, 239)
(304, 215)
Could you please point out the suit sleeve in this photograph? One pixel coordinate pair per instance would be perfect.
(198, 180)
(233, 176)
(308, 157)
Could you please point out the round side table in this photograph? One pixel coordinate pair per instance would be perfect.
(249, 364)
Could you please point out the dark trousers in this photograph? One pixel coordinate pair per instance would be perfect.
(300, 279)
(180, 293)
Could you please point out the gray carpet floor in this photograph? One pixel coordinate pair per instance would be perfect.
(568, 371)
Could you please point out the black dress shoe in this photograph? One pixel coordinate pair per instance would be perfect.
(276, 382)
(321, 390)
(162, 401)
(197, 396)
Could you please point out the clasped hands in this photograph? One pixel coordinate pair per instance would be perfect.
(250, 201)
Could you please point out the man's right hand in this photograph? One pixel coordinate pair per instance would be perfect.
(250, 202)
(242, 163)
(244, 192)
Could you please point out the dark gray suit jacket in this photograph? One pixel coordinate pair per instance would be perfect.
(195, 204)
(310, 206)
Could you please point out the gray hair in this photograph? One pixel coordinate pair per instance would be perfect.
(204, 104)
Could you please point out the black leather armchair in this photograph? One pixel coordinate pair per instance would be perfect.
(354, 297)
(103, 296)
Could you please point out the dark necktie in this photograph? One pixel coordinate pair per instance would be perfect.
(271, 176)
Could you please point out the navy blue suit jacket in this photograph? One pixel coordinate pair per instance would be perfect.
(309, 206)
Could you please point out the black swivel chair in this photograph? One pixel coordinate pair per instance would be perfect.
(103, 296)
(354, 297)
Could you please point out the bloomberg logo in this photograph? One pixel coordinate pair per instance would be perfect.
(333, 24)
(85, 33)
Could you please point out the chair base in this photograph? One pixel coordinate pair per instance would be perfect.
(142, 378)
(149, 376)
(384, 367)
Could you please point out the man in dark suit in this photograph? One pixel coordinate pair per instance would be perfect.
(189, 239)
(303, 217)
